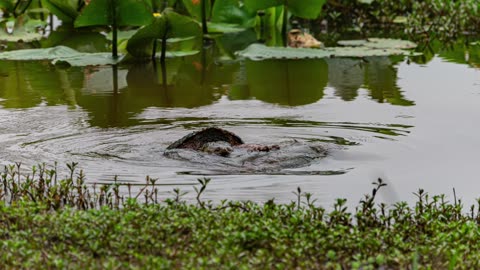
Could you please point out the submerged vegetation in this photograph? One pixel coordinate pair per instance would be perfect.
(53, 222)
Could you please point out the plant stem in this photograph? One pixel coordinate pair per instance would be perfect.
(285, 25)
(204, 17)
(154, 50)
(164, 49)
(114, 28)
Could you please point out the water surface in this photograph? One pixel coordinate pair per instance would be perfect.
(411, 122)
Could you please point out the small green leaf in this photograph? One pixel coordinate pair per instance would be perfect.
(129, 13)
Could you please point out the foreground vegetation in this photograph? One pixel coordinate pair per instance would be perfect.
(44, 224)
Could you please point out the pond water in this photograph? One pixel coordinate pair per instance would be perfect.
(411, 122)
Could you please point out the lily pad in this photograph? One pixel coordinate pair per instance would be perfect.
(379, 43)
(39, 54)
(262, 52)
(88, 59)
(355, 52)
(214, 27)
(61, 55)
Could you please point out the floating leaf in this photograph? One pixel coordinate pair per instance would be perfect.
(39, 54)
(61, 54)
(364, 52)
(262, 52)
(214, 27)
(380, 43)
(88, 59)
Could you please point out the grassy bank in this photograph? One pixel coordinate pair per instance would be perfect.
(44, 224)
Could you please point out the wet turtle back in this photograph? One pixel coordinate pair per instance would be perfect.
(197, 140)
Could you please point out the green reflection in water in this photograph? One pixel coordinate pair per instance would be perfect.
(182, 83)
(292, 82)
(377, 74)
(28, 84)
(116, 97)
(381, 80)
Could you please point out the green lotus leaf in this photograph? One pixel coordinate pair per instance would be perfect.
(214, 27)
(65, 10)
(122, 35)
(179, 26)
(194, 7)
(39, 54)
(88, 59)
(129, 13)
(379, 43)
(61, 54)
(308, 9)
(355, 52)
(82, 41)
(262, 52)
(231, 12)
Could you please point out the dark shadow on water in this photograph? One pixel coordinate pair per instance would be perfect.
(283, 172)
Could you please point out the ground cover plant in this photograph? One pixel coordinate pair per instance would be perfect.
(52, 222)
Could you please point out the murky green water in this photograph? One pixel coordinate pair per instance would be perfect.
(414, 125)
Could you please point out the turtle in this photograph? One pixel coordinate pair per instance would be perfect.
(217, 141)
(218, 148)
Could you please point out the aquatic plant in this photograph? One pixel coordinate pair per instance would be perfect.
(115, 13)
(165, 26)
(309, 9)
(100, 226)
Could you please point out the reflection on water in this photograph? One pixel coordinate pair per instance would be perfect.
(378, 113)
(115, 96)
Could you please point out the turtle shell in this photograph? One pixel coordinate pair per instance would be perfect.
(197, 139)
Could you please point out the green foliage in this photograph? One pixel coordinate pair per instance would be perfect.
(167, 26)
(232, 12)
(65, 10)
(128, 13)
(97, 228)
(194, 8)
(309, 9)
